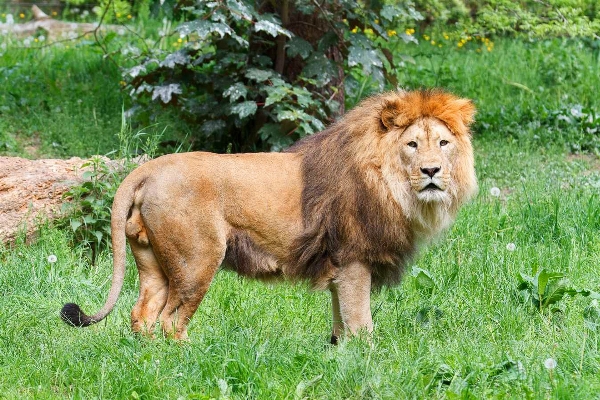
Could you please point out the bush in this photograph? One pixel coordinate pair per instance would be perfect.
(261, 77)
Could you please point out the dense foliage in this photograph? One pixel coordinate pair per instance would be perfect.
(257, 76)
(262, 76)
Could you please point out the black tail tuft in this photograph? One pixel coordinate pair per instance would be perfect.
(72, 315)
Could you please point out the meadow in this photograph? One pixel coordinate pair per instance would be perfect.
(466, 328)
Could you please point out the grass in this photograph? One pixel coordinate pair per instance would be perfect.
(252, 340)
(471, 337)
(58, 102)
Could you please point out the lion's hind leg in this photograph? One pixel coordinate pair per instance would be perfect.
(154, 287)
(190, 271)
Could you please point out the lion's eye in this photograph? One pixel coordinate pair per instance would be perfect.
(412, 144)
(443, 142)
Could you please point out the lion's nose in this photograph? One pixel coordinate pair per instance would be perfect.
(430, 171)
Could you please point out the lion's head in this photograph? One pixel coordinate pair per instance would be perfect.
(427, 158)
(391, 173)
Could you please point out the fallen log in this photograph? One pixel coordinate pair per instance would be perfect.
(31, 191)
(53, 28)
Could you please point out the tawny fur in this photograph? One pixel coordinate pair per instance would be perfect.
(344, 209)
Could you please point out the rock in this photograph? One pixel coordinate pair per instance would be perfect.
(31, 191)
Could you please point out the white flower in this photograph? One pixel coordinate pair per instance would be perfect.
(550, 363)
(42, 38)
(10, 19)
(52, 258)
(511, 247)
(27, 42)
(495, 192)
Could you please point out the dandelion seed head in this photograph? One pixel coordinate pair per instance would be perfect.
(511, 247)
(52, 258)
(495, 192)
(550, 363)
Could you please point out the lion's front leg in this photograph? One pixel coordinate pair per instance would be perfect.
(351, 301)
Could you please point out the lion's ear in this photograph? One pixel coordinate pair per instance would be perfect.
(458, 114)
(391, 116)
(467, 111)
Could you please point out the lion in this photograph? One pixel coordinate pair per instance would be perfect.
(344, 209)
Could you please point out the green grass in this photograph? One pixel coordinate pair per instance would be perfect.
(472, 337)
(252, 340)
(58, 102)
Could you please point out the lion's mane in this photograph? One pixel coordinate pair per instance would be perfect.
(349, 210)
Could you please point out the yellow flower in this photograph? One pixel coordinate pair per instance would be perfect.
(355, 29)
(3, 15)
(22, 15)
(179, 40)
(446, 36)
(129, 16)
(426, 37)
(376, 21)
(391, 32)
(433, 42)
(489, 48)
(54, 13)
(369, 31)
(36, 40)
(123, 83)
(460, 44)
(118, 15)
(175, 44)
(469, 38)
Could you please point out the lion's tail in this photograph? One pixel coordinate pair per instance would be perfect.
(71, 313)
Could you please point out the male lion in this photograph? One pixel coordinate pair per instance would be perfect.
(344, 209)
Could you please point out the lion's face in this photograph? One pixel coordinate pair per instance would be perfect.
(428, 151)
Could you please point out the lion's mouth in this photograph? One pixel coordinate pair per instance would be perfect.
(432, 186)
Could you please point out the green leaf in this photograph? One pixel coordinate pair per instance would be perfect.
(423, 279)
(87, 175)
(542, 279)
(88, 219)
(275, 94)
(244, 109)
(258, 75)
(299, 47)
(390, 12)
(269, 130)
(98, 235)
(75, 224)
(303, 385)
(212, 126)
(271, 28)
(239, 10)
(365, 57)
(235, 91)
(303, 96)
(319, 66)
(556, 290)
